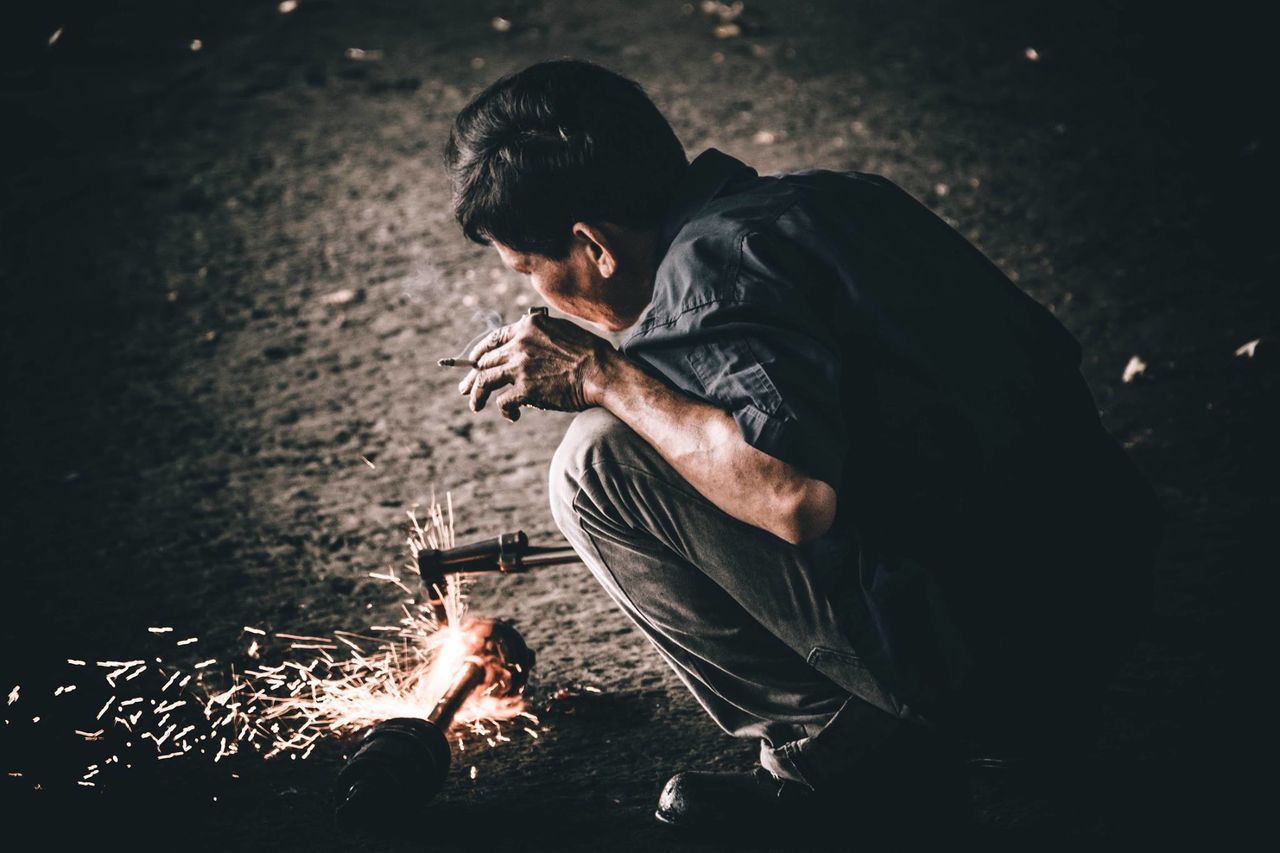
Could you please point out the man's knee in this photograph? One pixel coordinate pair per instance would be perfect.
(594, 438)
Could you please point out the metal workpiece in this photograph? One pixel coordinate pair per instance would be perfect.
(403, 762)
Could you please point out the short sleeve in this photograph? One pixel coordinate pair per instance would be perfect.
(744, 316)
(780, 383)
(781, 386)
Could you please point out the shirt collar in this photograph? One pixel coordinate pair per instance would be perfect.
(702, 181)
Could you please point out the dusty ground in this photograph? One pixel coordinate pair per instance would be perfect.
(184, 414)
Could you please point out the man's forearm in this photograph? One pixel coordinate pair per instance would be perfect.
(554, 364)
(703, 444)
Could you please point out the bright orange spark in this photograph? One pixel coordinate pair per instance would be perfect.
(289, 706)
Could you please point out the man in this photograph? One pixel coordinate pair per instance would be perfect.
(842, 473)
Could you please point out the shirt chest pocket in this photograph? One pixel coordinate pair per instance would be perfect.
(732, 376)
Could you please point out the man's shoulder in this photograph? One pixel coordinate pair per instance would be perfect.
(759, 204)
(703, 265)
(713, 232)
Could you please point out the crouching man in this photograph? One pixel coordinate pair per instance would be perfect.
(843, 474)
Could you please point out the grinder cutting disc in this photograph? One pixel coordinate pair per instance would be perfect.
(403, 762)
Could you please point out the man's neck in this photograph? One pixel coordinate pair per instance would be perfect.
(642, 247)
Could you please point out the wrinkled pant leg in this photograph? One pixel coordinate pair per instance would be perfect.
(742, 617)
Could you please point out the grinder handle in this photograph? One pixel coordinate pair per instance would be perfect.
(509, 553)
(502, 553)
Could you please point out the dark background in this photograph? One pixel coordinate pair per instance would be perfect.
(184, 415)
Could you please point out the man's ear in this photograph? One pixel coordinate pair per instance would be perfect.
(600, 246)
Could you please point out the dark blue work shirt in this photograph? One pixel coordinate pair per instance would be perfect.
(854, 335)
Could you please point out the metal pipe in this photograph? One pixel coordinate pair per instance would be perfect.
(508, 553)
(402, 763)
(469, 677)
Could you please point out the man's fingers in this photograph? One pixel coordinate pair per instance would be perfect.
(493, 340)
(499, 359)
(485, 382)
(508, 403)
(494, 358)
(490, 352)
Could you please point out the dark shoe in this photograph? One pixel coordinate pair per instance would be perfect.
(698, 800)
(907, 787)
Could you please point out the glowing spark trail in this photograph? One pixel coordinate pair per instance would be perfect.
(287, 706)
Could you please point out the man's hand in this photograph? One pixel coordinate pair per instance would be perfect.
(542, 362)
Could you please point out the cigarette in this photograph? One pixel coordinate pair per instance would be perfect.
(456, 362)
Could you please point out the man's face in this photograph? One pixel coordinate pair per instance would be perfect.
(576, 286)
(568, 285)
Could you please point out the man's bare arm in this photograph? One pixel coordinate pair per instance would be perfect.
(703, 444)
(554, 364)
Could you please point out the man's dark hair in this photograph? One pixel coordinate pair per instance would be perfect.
(557, 143)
